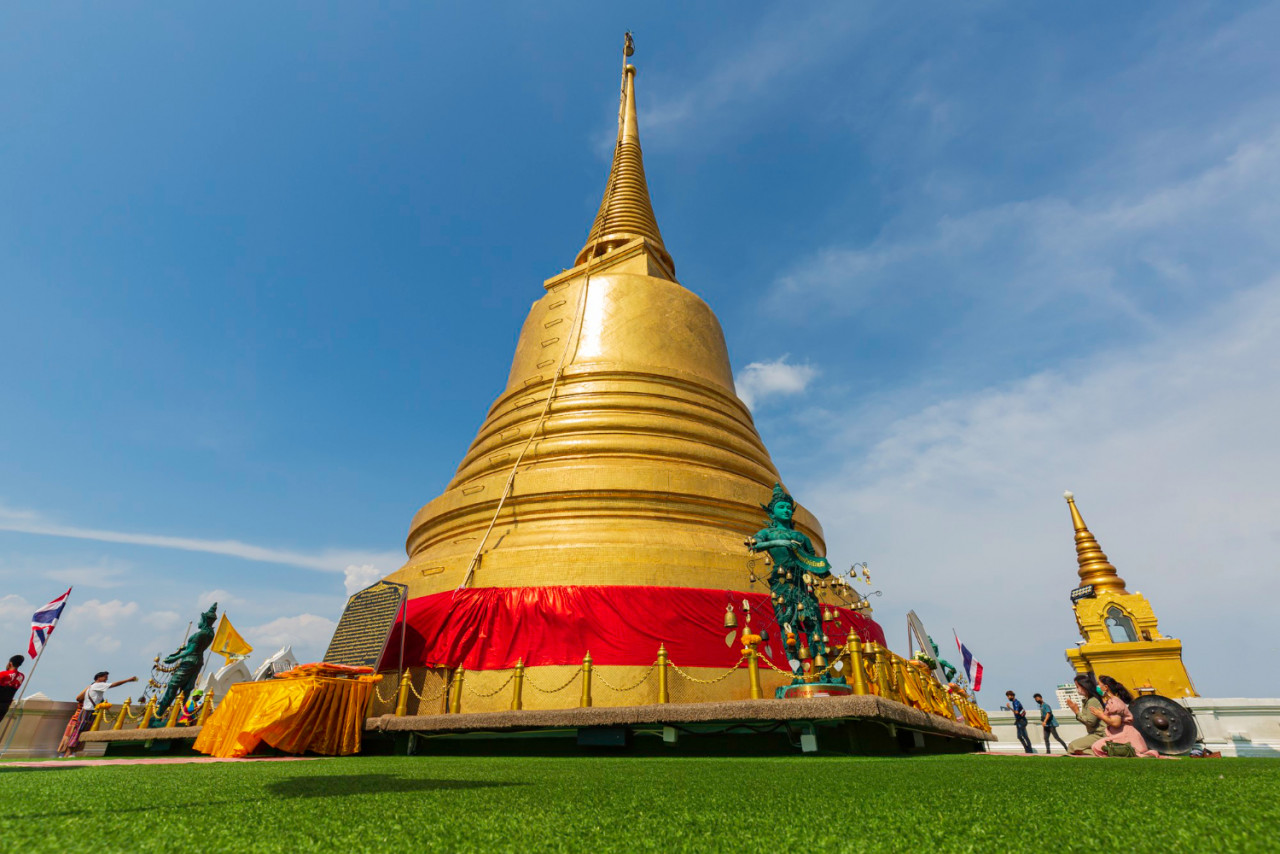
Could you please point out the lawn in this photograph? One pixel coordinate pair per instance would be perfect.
(747, 805)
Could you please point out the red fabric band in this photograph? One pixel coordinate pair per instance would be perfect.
(490, 628)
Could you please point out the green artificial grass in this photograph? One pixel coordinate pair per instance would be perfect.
(749, 805)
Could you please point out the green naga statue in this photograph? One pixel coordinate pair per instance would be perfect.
(187, 662)
(935, 661)
(948, 669)
(796, 571)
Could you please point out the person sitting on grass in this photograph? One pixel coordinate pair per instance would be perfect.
(1049, 724)
(1094, 728)
(1122, 738)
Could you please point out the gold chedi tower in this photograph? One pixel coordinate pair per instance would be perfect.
(1121, 639)
(603, 504)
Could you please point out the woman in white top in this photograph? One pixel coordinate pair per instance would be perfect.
(83, 718)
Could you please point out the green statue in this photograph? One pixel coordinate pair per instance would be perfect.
(187, 662)
(948, 669)
(796, 571)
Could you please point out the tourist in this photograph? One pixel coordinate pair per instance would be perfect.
(1094, 728)
(1020, 721)
(1122, 738)
(87, 702)
(1049, 723)
(10, 682)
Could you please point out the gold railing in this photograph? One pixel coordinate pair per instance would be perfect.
(112, 717)
(869, 669)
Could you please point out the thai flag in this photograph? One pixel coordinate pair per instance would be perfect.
(972, 667)
(43, 621)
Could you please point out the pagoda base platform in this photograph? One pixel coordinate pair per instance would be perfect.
(170, 741)
(855, 725)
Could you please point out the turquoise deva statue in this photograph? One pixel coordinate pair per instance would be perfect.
(187, 662)
(797, 570)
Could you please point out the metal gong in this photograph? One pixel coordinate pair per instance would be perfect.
(1166, 725)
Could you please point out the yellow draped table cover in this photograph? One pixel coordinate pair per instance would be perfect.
(299, 711)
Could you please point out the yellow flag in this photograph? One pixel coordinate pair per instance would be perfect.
(228, 643)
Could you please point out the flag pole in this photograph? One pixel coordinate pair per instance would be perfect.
(11, 721)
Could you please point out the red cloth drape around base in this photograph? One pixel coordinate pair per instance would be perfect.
(490, 628)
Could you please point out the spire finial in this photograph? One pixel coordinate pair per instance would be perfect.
(1094, 569)
(625, 211)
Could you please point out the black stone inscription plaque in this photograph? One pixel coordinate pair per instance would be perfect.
(366, 624)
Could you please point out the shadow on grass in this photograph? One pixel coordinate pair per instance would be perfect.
(369, 784)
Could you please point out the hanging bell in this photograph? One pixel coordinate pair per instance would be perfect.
(730, 618)
(827, 615)
(804, 651)
(820, 661)
(788, 576)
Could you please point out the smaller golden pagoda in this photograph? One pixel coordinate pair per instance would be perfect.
(1121, 639)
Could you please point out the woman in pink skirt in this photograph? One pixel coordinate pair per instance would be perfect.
(1119, 720)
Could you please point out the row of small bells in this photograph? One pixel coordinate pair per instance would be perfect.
(812, 583)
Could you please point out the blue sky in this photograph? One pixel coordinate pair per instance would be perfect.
(262, 271)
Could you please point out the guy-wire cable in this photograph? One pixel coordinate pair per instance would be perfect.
(571, 341)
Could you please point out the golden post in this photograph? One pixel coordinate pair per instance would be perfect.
(124, 714)
(517, 693)
(402, 697)
(873, 672)
(753, 663)
(586, 681)
(883, 678)
(148, 713)
(455, 700)
(857, 670)
(98, 712)
(206, 708)
(664, 696)
(175, 709)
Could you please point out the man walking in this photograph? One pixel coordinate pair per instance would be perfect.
(1020, 721)
(1050, 724)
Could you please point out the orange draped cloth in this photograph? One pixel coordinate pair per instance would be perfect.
(299, 711)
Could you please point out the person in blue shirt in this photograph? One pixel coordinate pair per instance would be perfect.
(1020, 721)
(1050, 724)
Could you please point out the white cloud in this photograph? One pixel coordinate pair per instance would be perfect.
(103, 574)
(330, 560)
(359, 577)
(779, 378)
(1118, 253)
(777, 52)
(94, 611)
(308, 634)
(14, 610)
(221, 597)
(1170, 449)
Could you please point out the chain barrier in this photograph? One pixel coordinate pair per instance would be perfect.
(599, 674)
(720, 678)
(377, 692)
(436, 696)
(466, 685)
(576, 673)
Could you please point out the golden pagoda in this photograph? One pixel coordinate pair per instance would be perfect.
(602, 507)
(1121, 639)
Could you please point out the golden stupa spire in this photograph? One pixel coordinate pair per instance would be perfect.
(625, 211)
(1094, 569)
